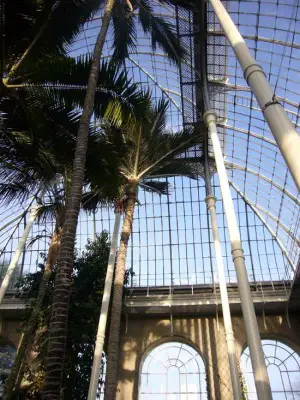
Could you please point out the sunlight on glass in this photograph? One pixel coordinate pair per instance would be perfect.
(283, 365)
(173, 371)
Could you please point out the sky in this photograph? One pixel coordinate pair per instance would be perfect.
(175, 248)
(171, 242)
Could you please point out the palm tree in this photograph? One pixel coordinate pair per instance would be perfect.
(147, 151)
(31, 122)
(160, 35)
(58, 324)
(34, 155)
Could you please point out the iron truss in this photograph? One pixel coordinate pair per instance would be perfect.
(266, 200)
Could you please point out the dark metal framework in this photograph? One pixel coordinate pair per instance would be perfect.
(171, 243)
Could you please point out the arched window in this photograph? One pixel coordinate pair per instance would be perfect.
(283, 365)
(7, 357)
(174, 371)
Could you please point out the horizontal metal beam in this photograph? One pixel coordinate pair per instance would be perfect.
(202, 300)
(241, 88)
(264, 222)
(263, 177)
(258, 38)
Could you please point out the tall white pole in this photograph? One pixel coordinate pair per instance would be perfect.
(284, 132)
(253, 338)
(18, 252)
(104, 312)
(229, 335)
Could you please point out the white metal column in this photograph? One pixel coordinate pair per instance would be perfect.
(256, 352)
(284, 132)
(104, 312)
(14, 262)
(229, 335)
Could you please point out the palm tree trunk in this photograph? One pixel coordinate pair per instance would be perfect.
(114, 332)
(62, 288)
(24, 347)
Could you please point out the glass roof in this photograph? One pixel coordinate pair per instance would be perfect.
(171, 242)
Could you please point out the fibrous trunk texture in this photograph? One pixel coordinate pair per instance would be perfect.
(114, 332)
(26, 341)
(63, 281)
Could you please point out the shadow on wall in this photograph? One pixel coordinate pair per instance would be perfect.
(205, 335)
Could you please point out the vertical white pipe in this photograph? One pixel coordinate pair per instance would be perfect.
(256, 352)
(229, 335)
(284, 132)
(18, 252)
(104, 312)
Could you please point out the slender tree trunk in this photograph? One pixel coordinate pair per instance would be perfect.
(62, 288)
(99, 343)
(24, 347)
(114, 331)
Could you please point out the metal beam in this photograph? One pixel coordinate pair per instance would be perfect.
(281, 126)
(246, 132)
(259, 38)
(156, 82)
(231, 87)
(264, 222)
(265, 178)
(284, 227)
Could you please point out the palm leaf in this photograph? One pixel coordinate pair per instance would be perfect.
(55, 23)
(159, 187)
(162, 33)
(124, 33)
(64, 79)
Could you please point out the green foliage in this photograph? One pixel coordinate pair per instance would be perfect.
(57, 22)
(85, 304)
(161, 32)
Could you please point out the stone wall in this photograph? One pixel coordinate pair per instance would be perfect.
(206, 335)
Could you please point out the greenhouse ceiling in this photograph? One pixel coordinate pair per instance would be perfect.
(260, 181)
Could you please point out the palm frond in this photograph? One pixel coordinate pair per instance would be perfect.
(159, 187)
(14, 192)
(124, 33)
(162, 32)
(177, 167)
(64, 79)
(188, 4)
(163, 148)
(54, 23)
(159, 118)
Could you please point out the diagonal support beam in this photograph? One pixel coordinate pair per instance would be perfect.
(282, 128)
(265, 178)
(266, 212)
(249, 133)
(264, 222)
(155, 82)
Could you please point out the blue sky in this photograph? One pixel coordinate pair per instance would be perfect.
(190, 239)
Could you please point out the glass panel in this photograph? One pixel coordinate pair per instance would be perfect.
(180, 376)
(283, 369)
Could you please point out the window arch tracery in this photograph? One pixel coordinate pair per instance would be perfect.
(283, 365)
(173, 370)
